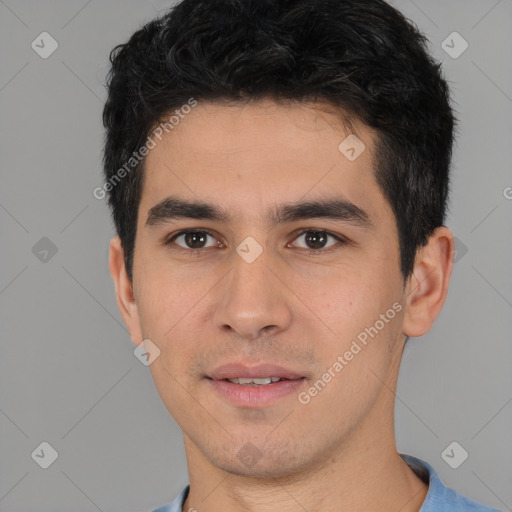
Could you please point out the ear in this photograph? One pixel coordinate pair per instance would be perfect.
(427, 287)
(124, 292)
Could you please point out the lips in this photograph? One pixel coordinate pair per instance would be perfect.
(260, 371)
(255, 381)
(254, 386)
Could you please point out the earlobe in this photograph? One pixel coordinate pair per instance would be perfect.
(427, 287)
(124, 291)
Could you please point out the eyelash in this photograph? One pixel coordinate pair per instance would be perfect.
(311, 252)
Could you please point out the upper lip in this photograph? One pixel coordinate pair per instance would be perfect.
(238, 370)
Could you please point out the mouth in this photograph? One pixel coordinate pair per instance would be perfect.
(254, 387)
(262, 381)
(255, 381)
(261, 374)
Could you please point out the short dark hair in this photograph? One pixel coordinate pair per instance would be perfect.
(361, 56)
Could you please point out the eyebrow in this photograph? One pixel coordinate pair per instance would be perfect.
(337, 209)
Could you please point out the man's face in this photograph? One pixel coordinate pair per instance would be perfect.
(283, 306)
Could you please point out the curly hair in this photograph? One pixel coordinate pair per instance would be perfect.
(363, 57)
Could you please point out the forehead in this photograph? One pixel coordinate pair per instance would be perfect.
(228, 127)
(255, 155)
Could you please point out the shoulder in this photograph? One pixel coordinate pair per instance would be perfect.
(439, 497)
(177, 504)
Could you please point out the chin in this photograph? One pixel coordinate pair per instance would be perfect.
(260, 470)
(246, 459)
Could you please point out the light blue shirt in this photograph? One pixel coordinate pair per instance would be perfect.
(439, 498)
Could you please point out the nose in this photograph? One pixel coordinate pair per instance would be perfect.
(253, 300)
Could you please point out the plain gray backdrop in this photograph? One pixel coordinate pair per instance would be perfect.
(68, 375)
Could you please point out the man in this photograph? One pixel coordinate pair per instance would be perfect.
(278, 175)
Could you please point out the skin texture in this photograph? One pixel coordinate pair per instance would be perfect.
(287, 307)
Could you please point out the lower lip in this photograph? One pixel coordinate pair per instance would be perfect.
(255, 396)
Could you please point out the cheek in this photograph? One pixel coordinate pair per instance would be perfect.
(355, 297)
(363, 312)
(167, 310)
(357, 358)
(163, 298)
(175, 313)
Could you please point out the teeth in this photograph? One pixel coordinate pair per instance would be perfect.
(255, 382)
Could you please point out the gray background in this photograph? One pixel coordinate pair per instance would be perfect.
(68, 374)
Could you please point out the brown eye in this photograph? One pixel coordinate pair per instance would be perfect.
(193, 240)
(317, 240)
